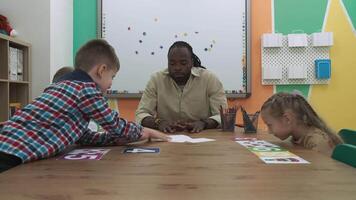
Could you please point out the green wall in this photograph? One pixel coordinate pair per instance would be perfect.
(298, 16)
(303, 89)
(350, 6)
(305, 16)
(84, 22)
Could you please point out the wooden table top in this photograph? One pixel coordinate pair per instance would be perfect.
(222, 169)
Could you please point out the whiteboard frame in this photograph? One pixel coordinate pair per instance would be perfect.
(247, 50)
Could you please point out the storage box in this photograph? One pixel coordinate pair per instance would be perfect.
(297, 72)
(272, 40)
(272, 72)
(322, 39)
(297, 40)
(323, 68)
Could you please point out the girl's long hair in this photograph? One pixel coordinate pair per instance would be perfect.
(280, 102)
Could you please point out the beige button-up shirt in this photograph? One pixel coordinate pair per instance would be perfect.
(200, 98)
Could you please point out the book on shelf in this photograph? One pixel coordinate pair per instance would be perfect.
(14, 107)
(16, 64)
(13, 64)
(20, 64)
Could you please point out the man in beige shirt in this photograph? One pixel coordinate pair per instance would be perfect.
(185, 96)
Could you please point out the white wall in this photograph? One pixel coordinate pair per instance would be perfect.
(48, 30)
(61, 34)
(31, 19)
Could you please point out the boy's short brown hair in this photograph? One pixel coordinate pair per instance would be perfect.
(96, 52)
(61, 72)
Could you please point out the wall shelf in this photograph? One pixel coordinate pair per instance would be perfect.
(14, 91)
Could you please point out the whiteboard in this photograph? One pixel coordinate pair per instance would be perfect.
(141, 31)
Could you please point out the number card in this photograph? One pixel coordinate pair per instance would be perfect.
(256, 144)
(270, 153)
(284, 160)
(84, 154)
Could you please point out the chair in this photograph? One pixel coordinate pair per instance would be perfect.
(348, 136)
(345, 153)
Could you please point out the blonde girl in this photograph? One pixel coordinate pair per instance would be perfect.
(291, 115)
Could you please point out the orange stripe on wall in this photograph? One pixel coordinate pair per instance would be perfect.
(261, 22)
(127, 108)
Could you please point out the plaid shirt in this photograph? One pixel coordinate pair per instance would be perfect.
(60, 117)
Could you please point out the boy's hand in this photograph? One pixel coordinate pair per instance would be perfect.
(149, 134)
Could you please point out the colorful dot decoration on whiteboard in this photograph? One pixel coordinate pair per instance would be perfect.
(184, 36)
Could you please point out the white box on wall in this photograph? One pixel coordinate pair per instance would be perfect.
(272, 40)
(322, 39)
(272, 72)
(297, 72)
(297, 40)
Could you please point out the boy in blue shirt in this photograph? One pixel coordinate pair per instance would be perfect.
(60, 116)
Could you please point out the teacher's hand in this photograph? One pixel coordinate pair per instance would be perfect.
(166, 127)
(195, 127)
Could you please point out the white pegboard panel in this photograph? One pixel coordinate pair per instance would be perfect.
(294, 56)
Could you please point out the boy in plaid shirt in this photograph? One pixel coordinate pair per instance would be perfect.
(60, 116)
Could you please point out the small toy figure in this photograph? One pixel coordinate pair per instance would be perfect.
(5, 27)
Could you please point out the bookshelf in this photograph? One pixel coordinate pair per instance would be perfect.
(15, 75)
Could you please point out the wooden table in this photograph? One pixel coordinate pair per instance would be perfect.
(214, 170)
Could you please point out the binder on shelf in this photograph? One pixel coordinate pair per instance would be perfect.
(20, 64)
(13, 64)
(297, 40)
(322, 39)
(16, 64)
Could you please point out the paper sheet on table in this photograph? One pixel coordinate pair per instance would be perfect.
(198, 140)
(179, 138)
(184, 138)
